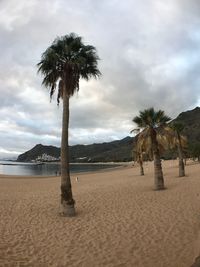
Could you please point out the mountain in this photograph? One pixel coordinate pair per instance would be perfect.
(119, 150)
(191, 120)
(37, 151)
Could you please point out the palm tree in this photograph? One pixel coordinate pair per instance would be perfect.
(136, 151)
(63, 64)
(140, 161)
(180, 142)
(150, 121)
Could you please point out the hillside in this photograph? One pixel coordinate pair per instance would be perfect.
(119, 150)
(191, 120)
(38, 150)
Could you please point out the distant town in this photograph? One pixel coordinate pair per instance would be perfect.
(46, 158)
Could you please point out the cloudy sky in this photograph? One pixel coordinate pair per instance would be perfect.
(150, 56)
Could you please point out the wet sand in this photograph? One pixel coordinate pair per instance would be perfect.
(120, 220)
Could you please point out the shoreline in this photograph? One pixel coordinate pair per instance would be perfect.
(72, 174)
(71, 163)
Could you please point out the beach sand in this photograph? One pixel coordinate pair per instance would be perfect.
(120, 220)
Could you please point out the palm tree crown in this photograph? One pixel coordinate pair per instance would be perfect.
(65, 62)
(176, 131)
(151, 118)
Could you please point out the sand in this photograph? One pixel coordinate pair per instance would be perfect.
(120, 220)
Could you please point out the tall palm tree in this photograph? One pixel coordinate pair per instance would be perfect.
(150, 121)
(63, 64)
(180, 142)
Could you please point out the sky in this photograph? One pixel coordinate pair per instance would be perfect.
(149, 56)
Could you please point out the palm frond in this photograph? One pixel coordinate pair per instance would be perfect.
(135, 131)
(60, 91)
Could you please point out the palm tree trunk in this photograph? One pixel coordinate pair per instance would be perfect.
(141, 164)
(158, 174)
(67, 201)
(180, 155)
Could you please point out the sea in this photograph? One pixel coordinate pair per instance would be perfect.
(48, 169)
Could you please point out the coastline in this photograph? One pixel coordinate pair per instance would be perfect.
(13, 176)
(120, 219)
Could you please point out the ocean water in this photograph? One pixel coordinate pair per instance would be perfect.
(50, 169)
